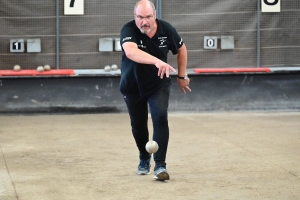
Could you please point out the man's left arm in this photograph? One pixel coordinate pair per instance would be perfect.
(182, 64)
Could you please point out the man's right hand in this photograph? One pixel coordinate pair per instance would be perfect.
(164, 68)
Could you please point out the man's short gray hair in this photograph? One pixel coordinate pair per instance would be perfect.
(152, 5)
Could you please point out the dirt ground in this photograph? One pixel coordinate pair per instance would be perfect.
(210, 156)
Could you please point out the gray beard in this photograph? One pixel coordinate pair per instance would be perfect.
(145, 32)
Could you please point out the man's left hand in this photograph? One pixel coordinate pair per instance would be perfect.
(184, 84)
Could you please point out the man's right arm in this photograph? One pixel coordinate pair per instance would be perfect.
(133, 53)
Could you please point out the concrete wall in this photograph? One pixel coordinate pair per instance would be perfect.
(252, 92)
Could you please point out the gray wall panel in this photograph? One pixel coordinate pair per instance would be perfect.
(89, 60)
(215, 59)
(285, 19)
(196, 19)
(27, 61)
(216, 22)
(193, 19)
(90, 25)
(27, 26)
(280, 38)
(207, 6)
(27, 8)
(280, 57)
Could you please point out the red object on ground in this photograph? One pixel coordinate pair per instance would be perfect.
(230, 70)
(52, 72)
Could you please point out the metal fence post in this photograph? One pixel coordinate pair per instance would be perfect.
(158, 5)
(258, 33)
(57, 34)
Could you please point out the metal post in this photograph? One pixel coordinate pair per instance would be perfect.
(258, 32)
(57, 34)
(158, 5)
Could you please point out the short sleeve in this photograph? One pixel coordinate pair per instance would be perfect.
(128, 34)
(177, 41)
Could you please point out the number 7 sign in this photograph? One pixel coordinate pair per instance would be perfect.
(74, 7)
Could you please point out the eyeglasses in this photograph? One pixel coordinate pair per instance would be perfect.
(141, 17)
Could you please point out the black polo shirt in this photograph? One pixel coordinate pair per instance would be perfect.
(137, 78)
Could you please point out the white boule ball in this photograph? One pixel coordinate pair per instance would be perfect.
(107, 68)
(151, 146)
(47, 67)
(17, 68)
(40, 69)
(114, 67)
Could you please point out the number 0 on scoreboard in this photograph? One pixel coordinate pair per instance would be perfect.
(74, 7)
(210, 42)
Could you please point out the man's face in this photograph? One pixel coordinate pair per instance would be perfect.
(144, 19)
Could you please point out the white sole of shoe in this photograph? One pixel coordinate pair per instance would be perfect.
(144, 173)
(163, 176)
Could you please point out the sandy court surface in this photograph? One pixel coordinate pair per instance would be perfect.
(210, 156)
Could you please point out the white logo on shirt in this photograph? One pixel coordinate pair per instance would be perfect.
(162, 41)
(180, 41)
(141, 45)
(127, 38)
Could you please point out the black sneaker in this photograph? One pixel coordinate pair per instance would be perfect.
(161, 174)
(144, 167)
